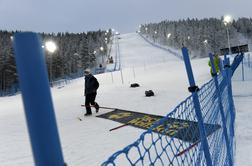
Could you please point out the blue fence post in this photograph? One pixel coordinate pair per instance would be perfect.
(221, 66)
(37, 100)
(249, 60)
(223, 118)
(231, 102)
(242, 70)
(193, 89)
(230, 94)
(225, 59)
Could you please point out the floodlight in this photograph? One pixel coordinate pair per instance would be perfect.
(50, 46)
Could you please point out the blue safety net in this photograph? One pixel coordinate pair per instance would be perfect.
(178, 140)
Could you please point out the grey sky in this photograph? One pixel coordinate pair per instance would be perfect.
(123, 15)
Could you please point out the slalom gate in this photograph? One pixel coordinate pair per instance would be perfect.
(209, 106)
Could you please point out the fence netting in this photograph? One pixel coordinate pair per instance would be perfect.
(175, 139)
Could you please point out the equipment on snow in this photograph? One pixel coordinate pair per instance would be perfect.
(149, 93)
(110, 108)
(118, 127)
(190, 147)
(134, 85)
(79, 118)
(82, 105)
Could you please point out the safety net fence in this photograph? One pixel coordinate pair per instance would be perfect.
(175, 139)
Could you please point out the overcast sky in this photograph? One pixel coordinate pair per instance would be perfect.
(122, 15)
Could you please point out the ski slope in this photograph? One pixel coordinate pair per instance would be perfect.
(89, 142)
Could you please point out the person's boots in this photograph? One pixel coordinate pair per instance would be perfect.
(88, 111)
(87, 114)
(97, 107)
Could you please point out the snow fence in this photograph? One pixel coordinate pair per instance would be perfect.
(207, 148)
(173, 52)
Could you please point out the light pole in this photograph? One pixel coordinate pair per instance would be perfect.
(102, 49)
(139, 28)
(227, 19)
(95, 55)
(168, 37)
(146, 30)
(51, 48)
(205, 42)
(155, 36)
(76, 63)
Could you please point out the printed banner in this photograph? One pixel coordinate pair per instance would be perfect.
(182, 129)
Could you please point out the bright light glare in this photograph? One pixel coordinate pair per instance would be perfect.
(101, 48)
(50, 46)
(168, 35)
(205, 41)
(227, 19)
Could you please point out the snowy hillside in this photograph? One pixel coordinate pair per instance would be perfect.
(89, 142)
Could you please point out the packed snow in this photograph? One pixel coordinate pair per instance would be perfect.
(89, 142)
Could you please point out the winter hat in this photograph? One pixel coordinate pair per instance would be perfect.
(87, 71)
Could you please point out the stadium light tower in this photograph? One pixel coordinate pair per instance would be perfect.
(102, 49)
(155, 36)
(205, 42)
(227, 20)
(168, 35)
(51, 47)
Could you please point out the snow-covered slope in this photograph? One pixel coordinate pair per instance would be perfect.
(242, 93)
(89, 142)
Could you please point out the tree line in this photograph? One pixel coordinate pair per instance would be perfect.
(199, 35)
(75, 52)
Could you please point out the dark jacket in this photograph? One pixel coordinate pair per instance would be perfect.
(91, 84)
